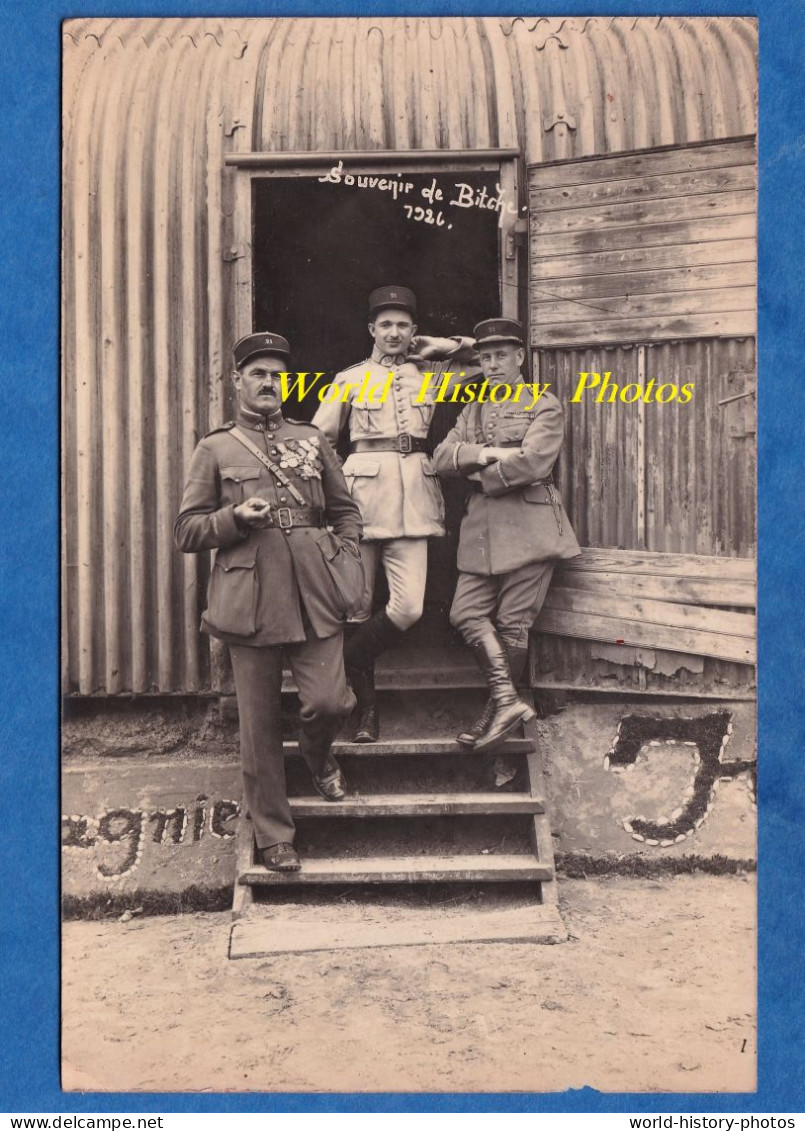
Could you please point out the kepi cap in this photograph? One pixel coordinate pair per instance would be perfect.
(403, 298)
(498, 330)
(255, 344)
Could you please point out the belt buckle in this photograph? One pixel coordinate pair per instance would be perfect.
(405, 443)
(284, 525)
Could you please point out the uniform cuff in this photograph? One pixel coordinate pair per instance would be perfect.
(465, 347)
(493, 480)
(467, 457)
(227, 527)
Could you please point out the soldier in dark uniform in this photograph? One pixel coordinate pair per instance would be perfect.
(514, 529)
(390, 476)
(262, 491)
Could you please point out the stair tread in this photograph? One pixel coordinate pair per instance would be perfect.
(332, 929)
(417, 677)
(412, 804)
(402, 869)
(414, 746)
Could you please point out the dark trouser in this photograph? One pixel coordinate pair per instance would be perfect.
(508, 603)
(318, 668)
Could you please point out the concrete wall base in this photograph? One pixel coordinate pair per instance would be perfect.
(632, 784)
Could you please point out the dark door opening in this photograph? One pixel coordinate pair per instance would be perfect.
(320, 248)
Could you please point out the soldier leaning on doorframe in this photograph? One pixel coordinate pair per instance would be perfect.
(282, 582)
(391, 477)
(514, 529)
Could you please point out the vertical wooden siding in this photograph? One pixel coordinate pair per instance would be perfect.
(644, 247)
(699, 490)
(597, 468)
(699, 466)
(701, 458)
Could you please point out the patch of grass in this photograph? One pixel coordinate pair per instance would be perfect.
(569, 865)
(102, 906)
(579, 866)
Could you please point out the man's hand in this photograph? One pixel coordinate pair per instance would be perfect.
(352, 546)
(491, 455)
(427, 348)
(252, 512)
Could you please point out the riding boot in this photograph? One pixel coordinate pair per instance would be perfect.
(368, 725)
(474, 731)
(517, 660)
(509, 709)
(360, 652)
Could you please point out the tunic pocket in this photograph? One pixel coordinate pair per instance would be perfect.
(233, 593)
(432, 486)
(366, 421)
(361, 476)
(422, 410)
(238, 483)
(346, 572)
(512, 430)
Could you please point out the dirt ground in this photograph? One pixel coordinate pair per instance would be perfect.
(654, 992)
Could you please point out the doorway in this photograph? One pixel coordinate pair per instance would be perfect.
(319, 248)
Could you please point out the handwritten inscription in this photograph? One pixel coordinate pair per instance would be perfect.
(459, 195)
(118, 836)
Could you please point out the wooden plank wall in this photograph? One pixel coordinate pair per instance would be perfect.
(597, 467)
(701, 465)
(649, 622)
(646, 247)
(667, 602)
(698, 460)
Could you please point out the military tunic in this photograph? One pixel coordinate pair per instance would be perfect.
(398, 494)
(267, 582)
(516, 516)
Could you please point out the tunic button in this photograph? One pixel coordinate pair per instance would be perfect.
(283, 499)
(288, 533)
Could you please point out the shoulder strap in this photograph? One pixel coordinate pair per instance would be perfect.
(275, 470)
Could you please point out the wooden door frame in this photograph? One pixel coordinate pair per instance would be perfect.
(507, 163)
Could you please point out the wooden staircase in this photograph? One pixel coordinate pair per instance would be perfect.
(424, 806)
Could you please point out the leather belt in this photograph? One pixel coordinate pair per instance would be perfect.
(404, 444)
(286, 517)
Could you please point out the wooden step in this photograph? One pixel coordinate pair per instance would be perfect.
(418, 805)
(402, 870)
(406, 746)
(291, 930)
(416, 677)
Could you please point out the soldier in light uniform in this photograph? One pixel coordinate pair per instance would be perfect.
(261, 490)
(391, 478)
(514, 529)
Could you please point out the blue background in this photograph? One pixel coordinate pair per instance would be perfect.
(29, 614)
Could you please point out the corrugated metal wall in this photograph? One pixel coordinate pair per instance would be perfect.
(151, 107)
